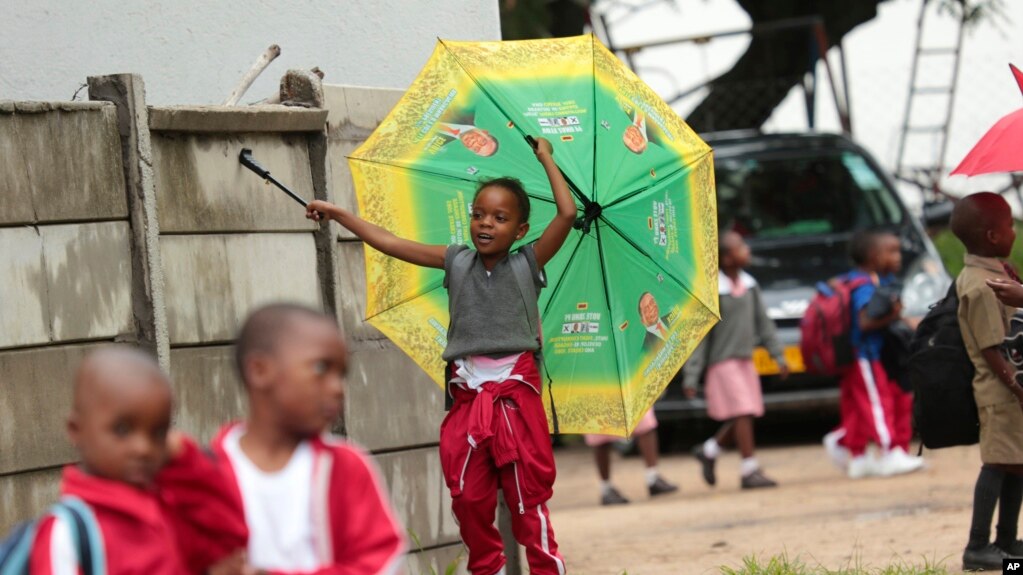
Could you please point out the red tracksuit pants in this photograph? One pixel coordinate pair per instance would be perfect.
(867, 408)
(512, 451)
(902, 416)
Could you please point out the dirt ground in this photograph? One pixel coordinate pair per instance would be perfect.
(816, 514)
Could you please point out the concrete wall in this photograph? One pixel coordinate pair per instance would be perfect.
(127, 222)
(192, 51)
(66, 285)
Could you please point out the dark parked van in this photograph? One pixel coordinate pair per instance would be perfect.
(798, 199)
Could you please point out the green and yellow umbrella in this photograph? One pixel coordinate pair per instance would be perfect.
(634, 288)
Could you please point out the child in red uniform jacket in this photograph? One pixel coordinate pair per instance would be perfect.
(161, 506)
(496, 434)
(313, 503)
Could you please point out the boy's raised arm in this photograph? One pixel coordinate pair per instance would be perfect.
(554, 235)
(431, 256)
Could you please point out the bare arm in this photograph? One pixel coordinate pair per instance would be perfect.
(554, 235)
(431, 256)
(1003, 371)
(868, 323)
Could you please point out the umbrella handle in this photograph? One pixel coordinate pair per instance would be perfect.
(531, 141)
(245, 158)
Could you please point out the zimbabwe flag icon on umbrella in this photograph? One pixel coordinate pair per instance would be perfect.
(634, 288)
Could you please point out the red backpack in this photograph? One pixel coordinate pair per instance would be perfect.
(825, 330)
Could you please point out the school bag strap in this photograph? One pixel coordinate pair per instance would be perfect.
(85, 534)
(86, 537)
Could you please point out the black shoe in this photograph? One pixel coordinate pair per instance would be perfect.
(612, 497)
(1013, 549)
(661, 487)
(757, 479)
(987, 558)
(708, 465)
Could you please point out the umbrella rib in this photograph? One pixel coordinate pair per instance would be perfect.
(561, 280)
(417, 170)
(571, 185)
(684, 284)
(404, 301)
(607, 298)
(593, 75)
(635, 193)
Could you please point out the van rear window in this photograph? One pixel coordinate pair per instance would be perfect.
(783, 196)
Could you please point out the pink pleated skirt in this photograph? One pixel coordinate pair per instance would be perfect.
(733, 389)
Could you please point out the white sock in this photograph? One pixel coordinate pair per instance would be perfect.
(711, 449)
(651, 475)
(748, 466)
(605, 487)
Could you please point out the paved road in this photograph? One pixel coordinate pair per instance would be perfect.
(817, 514)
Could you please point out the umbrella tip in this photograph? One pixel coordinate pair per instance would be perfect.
(1018, 75)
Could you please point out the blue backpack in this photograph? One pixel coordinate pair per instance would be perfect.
(16, 549)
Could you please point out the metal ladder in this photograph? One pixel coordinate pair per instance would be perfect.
(927, 177)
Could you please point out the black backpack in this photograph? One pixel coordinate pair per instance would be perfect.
(940, 370)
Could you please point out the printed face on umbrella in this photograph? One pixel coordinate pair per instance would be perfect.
(496, 221)
(634, 139)
(480, 142)
(648, 310)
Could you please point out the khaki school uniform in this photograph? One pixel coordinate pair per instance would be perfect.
(984, 322)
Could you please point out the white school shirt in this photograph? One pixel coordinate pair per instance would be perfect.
(278, 508)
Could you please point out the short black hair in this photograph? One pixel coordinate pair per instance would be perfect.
(264, 326)
(974, 215)
(864, 242)
(514, 186)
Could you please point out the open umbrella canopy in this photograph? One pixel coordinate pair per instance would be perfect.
(1000, 149)
(634, 288)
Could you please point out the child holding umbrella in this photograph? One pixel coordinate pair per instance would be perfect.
(496, 433)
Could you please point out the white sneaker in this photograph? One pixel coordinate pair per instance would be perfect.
(838, 454)
(898, 462)
(861, 466)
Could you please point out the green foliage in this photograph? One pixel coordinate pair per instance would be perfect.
(952, 251)
(785, 565)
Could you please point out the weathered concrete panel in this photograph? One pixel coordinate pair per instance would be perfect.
(207, 391)
(213, 281)
(419, 496)
(221, 119)
(34, 405)
(60, 162)
(373, 417)
(438, 561)
(342, 189)
(64, 282)
(351, 271)
(354, 112)
(201, 187)
(88, 269)
(26, 495)
(23, 308)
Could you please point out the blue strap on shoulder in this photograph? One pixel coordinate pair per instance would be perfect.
(85, 534)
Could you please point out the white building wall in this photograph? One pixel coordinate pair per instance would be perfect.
(195, 51)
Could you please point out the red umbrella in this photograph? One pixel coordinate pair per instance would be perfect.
(1001, 148)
